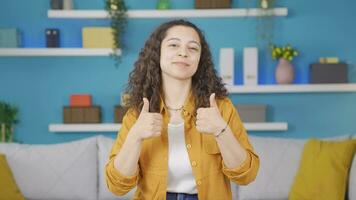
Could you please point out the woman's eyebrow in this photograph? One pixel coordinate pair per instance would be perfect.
(192, 41)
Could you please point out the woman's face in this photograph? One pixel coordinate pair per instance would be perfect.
(180, 52)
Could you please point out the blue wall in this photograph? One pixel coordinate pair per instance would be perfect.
(40, 86)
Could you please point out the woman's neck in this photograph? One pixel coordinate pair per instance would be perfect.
(175, 91)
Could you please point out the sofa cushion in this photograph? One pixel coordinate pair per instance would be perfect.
(324, 170)
(104, 147)
(279, 163)
(55, 171)
(8, 186)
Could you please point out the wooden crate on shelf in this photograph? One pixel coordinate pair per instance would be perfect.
(90, 114)
(119, 113)
(211, 4)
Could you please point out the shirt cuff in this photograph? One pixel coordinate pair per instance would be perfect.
(116, 177)
(245, 166)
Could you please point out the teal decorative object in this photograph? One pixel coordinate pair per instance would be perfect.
(163, 5)
(10, 38)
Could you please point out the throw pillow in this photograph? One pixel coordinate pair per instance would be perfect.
(324, 169)
(8, 186)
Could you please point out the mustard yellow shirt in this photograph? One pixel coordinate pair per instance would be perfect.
(211, 174)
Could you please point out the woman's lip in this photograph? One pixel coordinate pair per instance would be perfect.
(181, 63)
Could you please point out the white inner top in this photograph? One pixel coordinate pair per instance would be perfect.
(180, 174)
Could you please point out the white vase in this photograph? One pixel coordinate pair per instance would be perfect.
(284, 72)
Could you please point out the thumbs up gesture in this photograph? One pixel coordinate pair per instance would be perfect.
(209, 119)
(148, 124)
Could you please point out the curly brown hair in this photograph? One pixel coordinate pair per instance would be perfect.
(145, 80)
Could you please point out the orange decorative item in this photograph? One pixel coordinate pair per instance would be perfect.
(80, 100)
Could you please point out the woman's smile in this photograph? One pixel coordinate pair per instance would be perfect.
(181, 64)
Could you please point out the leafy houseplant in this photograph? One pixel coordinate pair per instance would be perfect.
(8, 117)
(284, 73)
(117, 13)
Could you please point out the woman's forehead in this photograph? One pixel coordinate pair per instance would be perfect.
(182, 33)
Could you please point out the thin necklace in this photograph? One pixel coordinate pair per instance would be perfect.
(174, 109)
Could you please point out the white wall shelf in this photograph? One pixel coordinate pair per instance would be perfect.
(174, 13)
(56, 52)
(293, 88)
(107, 127)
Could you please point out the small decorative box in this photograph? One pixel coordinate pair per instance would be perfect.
(52, 37)
(80, 100)
(252, 112)
(328, 73)
(98, 37)
(10, 38)
(56, 4)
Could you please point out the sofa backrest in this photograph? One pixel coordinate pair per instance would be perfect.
(66, 171)
(352, 178)
(279, 163)
(104, 147)
(76, 170)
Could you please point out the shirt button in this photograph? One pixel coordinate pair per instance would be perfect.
(189, 146)
(194, 163)
(199, 182)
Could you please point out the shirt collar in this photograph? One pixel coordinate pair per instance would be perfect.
(189, 104)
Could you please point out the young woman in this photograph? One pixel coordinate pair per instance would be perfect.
(181, 137)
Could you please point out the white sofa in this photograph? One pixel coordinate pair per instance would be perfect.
(75, 170)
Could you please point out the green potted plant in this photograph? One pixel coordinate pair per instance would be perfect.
(8, 117)
(117, 13)
(284, 71)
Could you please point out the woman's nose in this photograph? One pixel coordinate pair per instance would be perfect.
(182, 52)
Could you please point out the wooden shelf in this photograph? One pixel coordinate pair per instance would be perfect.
(174, 13)
(107, 127)
(55, 52)
(293, 88)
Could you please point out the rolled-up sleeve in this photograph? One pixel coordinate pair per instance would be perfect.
(118, 183)
(247, 171)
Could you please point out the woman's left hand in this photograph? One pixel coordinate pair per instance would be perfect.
(209, 120)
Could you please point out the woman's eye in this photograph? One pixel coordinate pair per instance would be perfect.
(172, 45)
(193, 48)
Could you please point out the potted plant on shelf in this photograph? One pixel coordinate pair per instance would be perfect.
(117, 13)
(284, 72)
(8, 117)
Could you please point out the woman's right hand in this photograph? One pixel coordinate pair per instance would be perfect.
(148, 124)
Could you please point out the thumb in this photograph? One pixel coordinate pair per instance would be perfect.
(212, 100)
(146, 105)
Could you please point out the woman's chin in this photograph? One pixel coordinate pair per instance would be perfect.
(182, 75)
